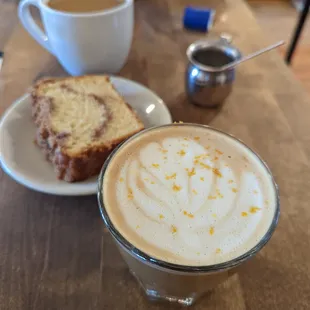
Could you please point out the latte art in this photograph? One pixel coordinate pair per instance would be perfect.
(193, 197)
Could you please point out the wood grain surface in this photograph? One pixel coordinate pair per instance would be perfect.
(55, 252)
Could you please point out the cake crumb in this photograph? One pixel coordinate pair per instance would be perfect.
(202, 179)
(218, 251)
(219, 152)
(121, 179)
(196, 138)
(155, 166)
(195, 192)
(234, 190)
(244, 158)
(244, 214)
(161, 216)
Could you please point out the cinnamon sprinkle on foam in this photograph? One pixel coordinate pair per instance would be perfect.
(173, 229)
(219, 194)
(217, 172)
(211, 230)
(170, 177)
(254, 209)
(205, 166)
(190, 215)
(191, 173)
(176, 188)
(181, 152)
(130, 194)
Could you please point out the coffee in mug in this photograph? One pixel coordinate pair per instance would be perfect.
(186, 204)
(82, 6)
(86, 37)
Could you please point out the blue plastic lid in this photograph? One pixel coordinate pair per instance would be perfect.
(198, 19)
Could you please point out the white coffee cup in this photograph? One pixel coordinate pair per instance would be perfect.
(96, 42)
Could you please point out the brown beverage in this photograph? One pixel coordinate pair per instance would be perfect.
(83, 6)
(186, 204)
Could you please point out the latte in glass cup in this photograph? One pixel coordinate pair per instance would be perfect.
(186, 204)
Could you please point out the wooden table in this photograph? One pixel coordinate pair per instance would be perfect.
(54, 251)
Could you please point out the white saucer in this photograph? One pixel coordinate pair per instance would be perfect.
(23, 161)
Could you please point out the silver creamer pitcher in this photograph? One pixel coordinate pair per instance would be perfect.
(207, 84)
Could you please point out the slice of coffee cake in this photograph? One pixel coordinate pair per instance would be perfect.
(79, 122)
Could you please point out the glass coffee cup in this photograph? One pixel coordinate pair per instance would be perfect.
(174, 282)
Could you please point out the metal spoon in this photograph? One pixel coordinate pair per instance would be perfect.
(250, 56)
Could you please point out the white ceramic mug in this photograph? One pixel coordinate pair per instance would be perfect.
(93, 42)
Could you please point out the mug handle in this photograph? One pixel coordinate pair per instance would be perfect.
(30, 24)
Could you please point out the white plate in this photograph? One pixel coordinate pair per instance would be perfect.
(23, 161)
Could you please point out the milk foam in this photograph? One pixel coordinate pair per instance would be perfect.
(189, 195)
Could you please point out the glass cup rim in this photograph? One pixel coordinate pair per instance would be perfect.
(177, 267)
